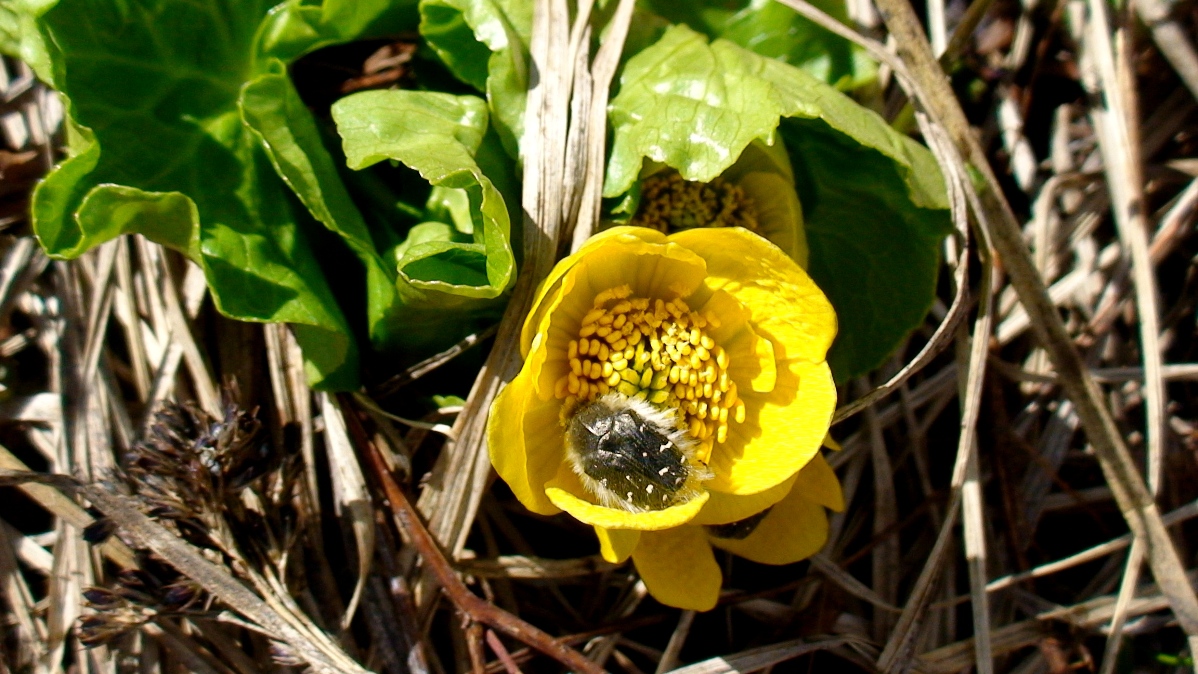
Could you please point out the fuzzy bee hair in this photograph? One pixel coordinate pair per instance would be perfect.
(633, 455)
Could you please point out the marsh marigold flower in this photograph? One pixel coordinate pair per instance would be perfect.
(674, 396)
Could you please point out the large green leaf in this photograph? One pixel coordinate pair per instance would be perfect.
(272, 108)
(153, 87)
(443, 273)
(485, 44)
(696, 106)
(772, 29)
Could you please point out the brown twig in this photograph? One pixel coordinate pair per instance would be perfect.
(474, 607)
(501, 651)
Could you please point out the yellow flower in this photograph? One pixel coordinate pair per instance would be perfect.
(706, 348)
(757, 192)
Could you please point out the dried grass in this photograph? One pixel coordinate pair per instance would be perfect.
(1003, 496)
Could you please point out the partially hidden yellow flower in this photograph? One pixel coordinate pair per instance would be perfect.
(674, 395)
(757, 192)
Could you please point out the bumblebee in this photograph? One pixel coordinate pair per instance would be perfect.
(632, 455)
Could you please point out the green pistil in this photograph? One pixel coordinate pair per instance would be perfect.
(671, 204)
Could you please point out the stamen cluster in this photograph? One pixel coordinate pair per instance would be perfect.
(671, 204)
(656, 350)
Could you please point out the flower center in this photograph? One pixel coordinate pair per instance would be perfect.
(658, 351)
(669, 204)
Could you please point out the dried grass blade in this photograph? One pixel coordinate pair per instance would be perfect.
(756, 659)
(63, 507)
(350, 494)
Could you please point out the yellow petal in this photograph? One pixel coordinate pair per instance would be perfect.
(678, 568)
(552, 283)
(818, 482)
(782, 431)
(724, 508)
(526, 442)
(779, 214)
(616, 545)
(794, 529)
(750, 357)
(613, 518)
(759, 156)
(786, 305)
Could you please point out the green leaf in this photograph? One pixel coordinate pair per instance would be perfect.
(696, 106)
(772, 29)
(160, 149)
(272, 109)
(872, 251)
(297, 27)
(444, 138)
(20, 38)
(485, 44)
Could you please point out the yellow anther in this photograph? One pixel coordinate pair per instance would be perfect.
(631, 376)
(574, 384)
(707, 390)
(622, 307)
(659, 397)
(707, 342)
(592, 316)
(587, 330)
(696, 362)
(604, 352)
(673, 376)
(721, 435)
(619, 344)
(702, 411)
(603, 330)
(694, 380)
(584, 388)
(702, 352)
(597, 370)
(695, 335)
(740, 411)
(572, 350)
(621, 319)
(605, 319)
(576, 366)
(723, 418)
(646, 378)
(584, 345)
(594, 348)
(660, 379)
(618, 364)
(603, 388)
(731, 399)
(559, 389)
(613, 379)
(627, 388)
